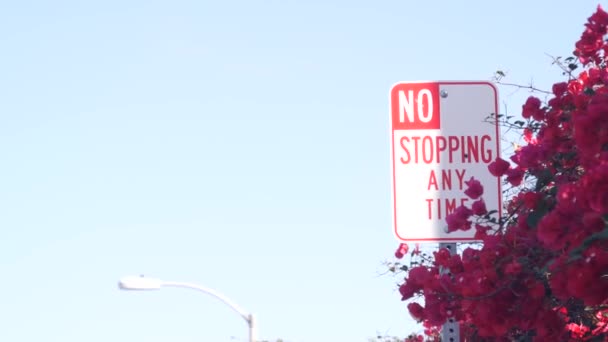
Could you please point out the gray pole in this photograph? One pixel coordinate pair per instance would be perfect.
(450, 332)
(252, 328)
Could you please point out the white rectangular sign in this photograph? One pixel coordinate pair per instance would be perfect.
(441, 137)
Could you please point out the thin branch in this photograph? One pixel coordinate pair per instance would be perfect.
(530, 87)
(565, 68)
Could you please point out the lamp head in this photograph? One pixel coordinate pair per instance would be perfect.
(140, 283)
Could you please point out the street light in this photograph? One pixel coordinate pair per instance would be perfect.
(132, 283)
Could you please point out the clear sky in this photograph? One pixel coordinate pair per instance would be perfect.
(241, 145)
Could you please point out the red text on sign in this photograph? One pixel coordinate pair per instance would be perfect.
(445, 177)
(415, 106)
(447, 149)
(441, 207)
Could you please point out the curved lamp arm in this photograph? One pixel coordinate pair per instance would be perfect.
(145, 283)
(246, 316)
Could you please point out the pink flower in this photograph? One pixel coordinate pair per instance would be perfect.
(408, 289)
(442, 257)
(528, 136)
(513, 268)
(532, 109)
(479, 207)
(401, 251)
(475, 189)
(531, 199)
(515, 176)
(481, 231)
(459, 219)
(416, 310)
(595, 189)
(577, 331)
(498, 167)
(551, 231)
(560, 88)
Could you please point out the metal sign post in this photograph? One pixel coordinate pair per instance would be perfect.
(450, 332)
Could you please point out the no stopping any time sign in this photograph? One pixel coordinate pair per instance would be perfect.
(442, 134)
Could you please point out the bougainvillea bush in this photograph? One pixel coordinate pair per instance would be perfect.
(541, 273)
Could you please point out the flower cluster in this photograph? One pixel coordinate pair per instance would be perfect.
(541, 273)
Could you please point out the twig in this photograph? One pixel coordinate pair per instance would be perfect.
(532, 88)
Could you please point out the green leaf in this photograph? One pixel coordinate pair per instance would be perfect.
(535, 216)
(543, 178)
(589, 91)
(577, 253)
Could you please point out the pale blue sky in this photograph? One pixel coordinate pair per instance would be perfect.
(242, 145)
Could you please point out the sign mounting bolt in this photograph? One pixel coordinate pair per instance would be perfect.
(443, 93)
